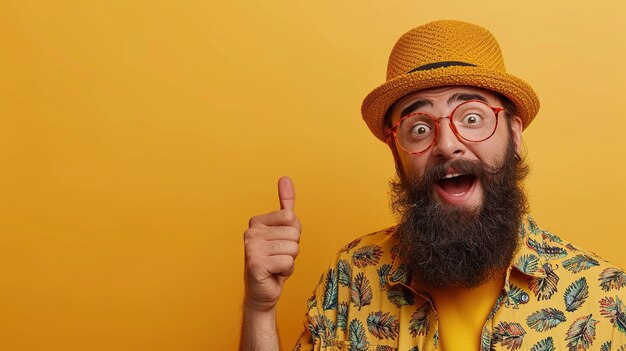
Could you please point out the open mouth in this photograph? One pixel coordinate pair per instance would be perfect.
(456, 188)
(456, 184)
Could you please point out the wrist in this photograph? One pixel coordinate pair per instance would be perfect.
(259, 330)
(259, 307)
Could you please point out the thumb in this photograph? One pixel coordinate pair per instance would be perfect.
(286, 193)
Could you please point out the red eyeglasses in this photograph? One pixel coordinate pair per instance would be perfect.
(472, 120)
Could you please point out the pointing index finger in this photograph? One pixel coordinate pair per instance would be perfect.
(286, 193)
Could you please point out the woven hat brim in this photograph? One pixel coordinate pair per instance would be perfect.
(377, 102)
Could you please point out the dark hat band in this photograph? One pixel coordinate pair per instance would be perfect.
(439, 65)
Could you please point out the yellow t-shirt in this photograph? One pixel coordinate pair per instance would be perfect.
(462, 314)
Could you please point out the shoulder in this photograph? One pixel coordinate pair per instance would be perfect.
(551, 248)
(376, 242)
(373, 255)
(550, 251)
(576, 284)
(369, 260)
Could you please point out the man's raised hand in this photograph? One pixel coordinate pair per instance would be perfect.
(271, 246)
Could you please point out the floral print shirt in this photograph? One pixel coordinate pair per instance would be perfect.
(555, 297)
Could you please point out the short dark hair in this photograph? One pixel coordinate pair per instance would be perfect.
(509, 106)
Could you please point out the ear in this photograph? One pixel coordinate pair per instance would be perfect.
(516, 132)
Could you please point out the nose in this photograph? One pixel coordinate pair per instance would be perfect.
(448, 144)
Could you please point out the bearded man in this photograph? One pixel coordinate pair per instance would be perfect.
(466, 267)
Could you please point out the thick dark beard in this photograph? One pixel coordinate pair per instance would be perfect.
(450, 246)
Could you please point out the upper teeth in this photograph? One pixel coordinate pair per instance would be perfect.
(452, 175)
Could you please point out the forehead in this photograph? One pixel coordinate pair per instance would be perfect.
(438, 97)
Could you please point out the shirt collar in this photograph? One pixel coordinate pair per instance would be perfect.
(538, 250)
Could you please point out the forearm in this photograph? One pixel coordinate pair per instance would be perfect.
(258, 330)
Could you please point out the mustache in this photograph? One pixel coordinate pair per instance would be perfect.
(422, 186)
(477, 168)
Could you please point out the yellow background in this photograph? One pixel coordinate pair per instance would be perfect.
(138, 137)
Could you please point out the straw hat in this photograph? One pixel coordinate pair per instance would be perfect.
(445, 53)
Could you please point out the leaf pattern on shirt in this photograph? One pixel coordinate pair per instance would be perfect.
(509, 334)
(576, 294)
(612, 278)
(485, 339)
(383, 274)
(551, 237)
(383, 325)
(546, 344)
(528, 264)
(514, 297)
(608, 346)
(330, 291)
(580, 263)
(345, 272)
(419, 321)
(342, 315)
(533, 227)
(545, 250)
(311, 302)
(581, 333)
(545, 319)
(367, 301)
(400, 296)
(367, 256)
(614, 310)
(354, 243)
(357, 337)
(322, 327)
(544, 287)
(361, 291)
(400, 275)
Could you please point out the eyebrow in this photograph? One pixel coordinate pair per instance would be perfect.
(466, 97)
(454, 98)
(415, 106)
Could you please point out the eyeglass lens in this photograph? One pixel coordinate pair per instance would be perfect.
(474, 121)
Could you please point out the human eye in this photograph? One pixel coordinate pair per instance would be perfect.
(472, 119)
(420, 129)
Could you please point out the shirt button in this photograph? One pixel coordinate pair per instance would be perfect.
(523, 297)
